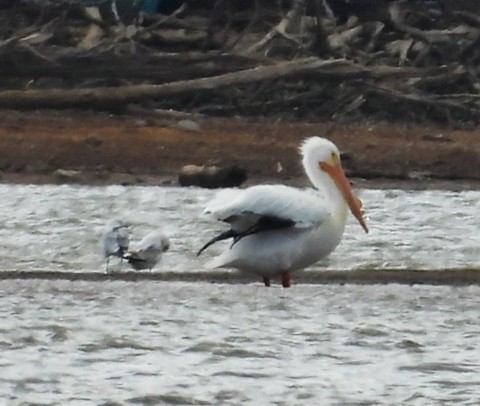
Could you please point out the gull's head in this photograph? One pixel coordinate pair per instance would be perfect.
(321, 158)
(114, 226)
(165, 244)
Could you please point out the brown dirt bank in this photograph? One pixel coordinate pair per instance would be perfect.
(104, 149)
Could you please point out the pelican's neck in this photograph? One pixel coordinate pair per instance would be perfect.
(327, 187)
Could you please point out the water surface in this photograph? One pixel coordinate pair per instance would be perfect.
(177, 343)
(58, 227)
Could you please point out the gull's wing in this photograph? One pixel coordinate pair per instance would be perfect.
(151, 242)
(148, 250)
(115, 238)
(109, 244)
(123, 238)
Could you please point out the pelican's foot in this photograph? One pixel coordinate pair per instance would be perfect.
(266, 281)
(286, 279)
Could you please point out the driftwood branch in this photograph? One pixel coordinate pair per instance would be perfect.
(447, 277)
(321, 43)
(87, 59)
(443, 106)
(157, 67)
(111, 97)
(163, 20)
(297, 10)
(108, 98)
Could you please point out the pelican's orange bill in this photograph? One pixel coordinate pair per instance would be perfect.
(338, 175)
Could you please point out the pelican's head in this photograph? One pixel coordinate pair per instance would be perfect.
(321, 158)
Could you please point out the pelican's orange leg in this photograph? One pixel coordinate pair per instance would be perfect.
(286, 279)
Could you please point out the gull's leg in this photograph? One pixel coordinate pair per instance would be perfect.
(106, 266)
(266, 281)
(286, 279)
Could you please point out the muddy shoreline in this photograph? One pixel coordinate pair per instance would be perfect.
(93, 148)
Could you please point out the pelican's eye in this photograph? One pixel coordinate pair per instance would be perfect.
(334, 158)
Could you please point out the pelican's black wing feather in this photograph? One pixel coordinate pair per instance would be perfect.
(264, 223)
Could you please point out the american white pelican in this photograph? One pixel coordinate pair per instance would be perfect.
(149, 251)
(278, 229)
(114, 240)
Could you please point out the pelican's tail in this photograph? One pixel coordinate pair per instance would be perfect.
(217, 262)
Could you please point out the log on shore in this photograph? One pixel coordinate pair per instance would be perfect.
(453, 277)
(115, 97)
(157, 67)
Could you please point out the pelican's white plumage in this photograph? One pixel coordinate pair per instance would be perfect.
(148, 251)
(299, 206)
(278, 229)
(114, 240)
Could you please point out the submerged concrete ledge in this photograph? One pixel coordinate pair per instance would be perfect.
(455, 277)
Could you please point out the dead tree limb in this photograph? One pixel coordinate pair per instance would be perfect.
(114, 98)
(296, 11)
(158, 67)
(444, 106)
(163, 20)
(320, 43)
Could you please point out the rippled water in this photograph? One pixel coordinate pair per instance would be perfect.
(58, 227)
(176, 343)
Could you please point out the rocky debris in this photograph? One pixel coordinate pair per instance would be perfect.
(188, 125)
(212, 177)
(67, 174)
